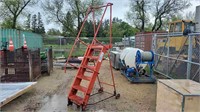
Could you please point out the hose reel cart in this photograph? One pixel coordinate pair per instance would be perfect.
(144, 61)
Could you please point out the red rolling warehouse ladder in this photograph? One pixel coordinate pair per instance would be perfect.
(95, 51)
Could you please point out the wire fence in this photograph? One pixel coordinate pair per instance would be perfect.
(177, 56)
(62, 45)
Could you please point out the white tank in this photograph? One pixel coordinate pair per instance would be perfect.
(128, 55)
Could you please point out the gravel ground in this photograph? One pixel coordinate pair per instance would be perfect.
(50, 94)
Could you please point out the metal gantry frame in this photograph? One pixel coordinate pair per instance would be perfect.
(94, 42)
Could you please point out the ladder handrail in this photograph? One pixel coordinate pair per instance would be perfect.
(89, 10)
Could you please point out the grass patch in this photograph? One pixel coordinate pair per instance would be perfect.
(56, 46)
(76, 53)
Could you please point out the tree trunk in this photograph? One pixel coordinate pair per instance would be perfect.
(154, 25)
(160, 21)
(143, 15)
(142, 27)
(14, 22)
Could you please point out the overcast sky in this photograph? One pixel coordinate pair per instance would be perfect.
(120, 7)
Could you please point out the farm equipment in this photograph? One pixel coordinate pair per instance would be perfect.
(134, 64)
(176, 33)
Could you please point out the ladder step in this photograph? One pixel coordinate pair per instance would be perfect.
(80, 88)
(77, 99)
(84, 77)
(88, 67)
(93, 57)
(96, 47)
(100, 46)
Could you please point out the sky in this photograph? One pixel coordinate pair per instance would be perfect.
(120, 7)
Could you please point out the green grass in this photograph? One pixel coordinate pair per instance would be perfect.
(76, 53)
(56, 46)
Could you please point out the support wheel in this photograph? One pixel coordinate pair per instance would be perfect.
(100, 90)
(117, 96)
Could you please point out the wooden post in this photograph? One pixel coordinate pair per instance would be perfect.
(48, 62)
(30, 65)
(6, 61)
(1, 70)
(51, 58)
(39, 62)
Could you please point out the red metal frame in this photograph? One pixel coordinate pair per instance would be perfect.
(94, 69)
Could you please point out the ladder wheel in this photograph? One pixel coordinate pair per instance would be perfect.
(80, 107)
(100, 90)
(69, 102)
(117, 96)
(83, 107)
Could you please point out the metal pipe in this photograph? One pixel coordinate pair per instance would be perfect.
(168, 54)
(189, 56)
(111, 25)
(99, 25)
(88, 11)
(93, 16)
(179, 59)
(101, 6)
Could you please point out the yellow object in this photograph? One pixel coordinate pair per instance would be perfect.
(177, 27)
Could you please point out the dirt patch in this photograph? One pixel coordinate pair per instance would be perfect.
(50, 94)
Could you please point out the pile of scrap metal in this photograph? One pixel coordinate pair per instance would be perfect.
(74, 62)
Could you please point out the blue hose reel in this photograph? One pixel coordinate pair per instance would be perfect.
(144, 57)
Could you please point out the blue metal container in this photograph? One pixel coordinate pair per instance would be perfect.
(33, 40)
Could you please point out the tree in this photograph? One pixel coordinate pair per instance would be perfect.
(158, 9)
(88, 29)
(53, 31)
(166, 8)
(56, 10)
(138, 13)
(40, 25)
(7, 23)
(28, 22)
(34, 23)
(69, 22)
(190, 16)
(119, 28)
(106, 27)
(13, 8)
(100, 32)
(127, 29)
